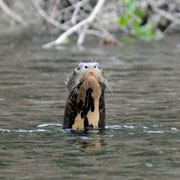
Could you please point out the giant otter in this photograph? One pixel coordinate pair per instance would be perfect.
(85, 107)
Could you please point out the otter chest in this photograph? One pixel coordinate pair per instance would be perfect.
(90, 120)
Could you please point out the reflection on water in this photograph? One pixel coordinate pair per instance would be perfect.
(142, 120)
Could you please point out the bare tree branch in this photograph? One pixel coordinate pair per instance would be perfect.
(82, 35)
(47, 17)
(76, 11)
(12, 14)
(76, 27)
(166, 14)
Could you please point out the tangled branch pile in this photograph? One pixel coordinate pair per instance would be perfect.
(92, 17)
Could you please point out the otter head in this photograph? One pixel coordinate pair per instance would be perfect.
(84, 77)
(85, 107)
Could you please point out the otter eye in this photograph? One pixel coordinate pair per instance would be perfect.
(85, 67)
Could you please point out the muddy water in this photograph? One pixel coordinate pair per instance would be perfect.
(142, 136)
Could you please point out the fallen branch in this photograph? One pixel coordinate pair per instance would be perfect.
(82, 35)
(166, 14)
(49, 19)
(76, 27)
(76, 11)
(12, 14)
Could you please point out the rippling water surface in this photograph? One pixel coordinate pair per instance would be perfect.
(142, 136)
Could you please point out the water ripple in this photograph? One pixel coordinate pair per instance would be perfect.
(120, 127)
(22, 130)
(114, 127)
(154, 132)
(49, 124)
(174, 129)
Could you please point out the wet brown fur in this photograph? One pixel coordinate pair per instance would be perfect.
(86, 108)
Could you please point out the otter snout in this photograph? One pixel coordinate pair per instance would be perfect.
(91, 79)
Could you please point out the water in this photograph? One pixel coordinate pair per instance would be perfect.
(142, 136)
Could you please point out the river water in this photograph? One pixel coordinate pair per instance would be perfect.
(142, 136)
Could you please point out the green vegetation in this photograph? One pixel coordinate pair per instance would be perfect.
(132, 18)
